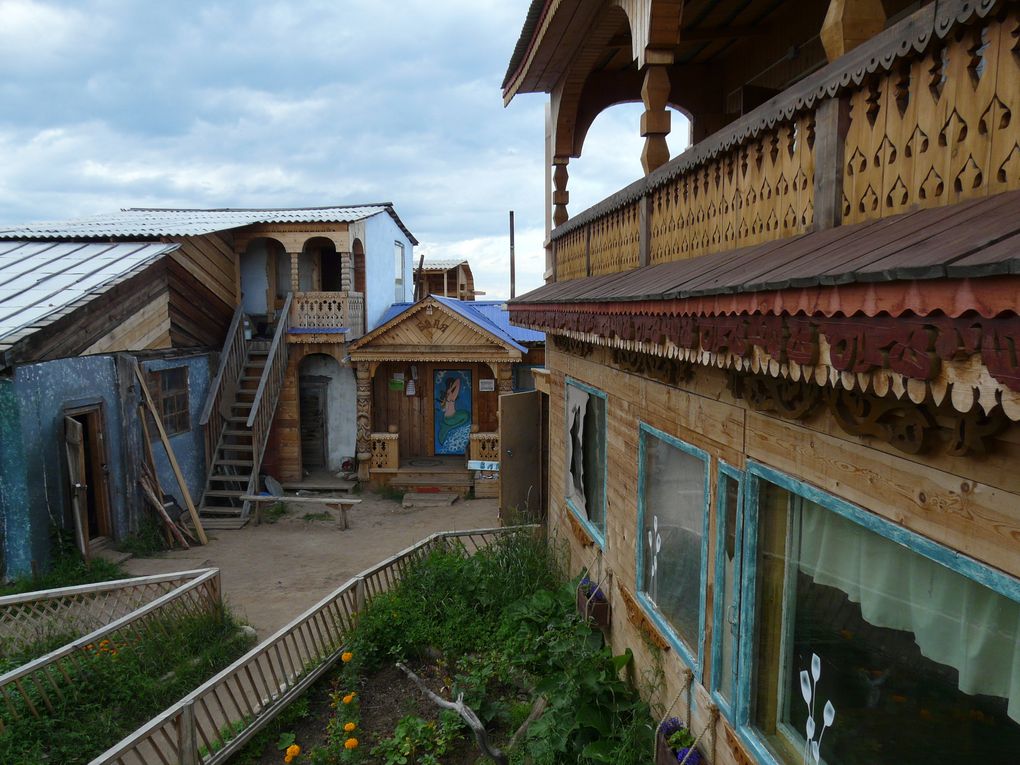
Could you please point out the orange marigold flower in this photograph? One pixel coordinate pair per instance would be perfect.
(288, 759)
(293, 750)
(349, 727)
(349, 698)
(351, 743)
(346, 656)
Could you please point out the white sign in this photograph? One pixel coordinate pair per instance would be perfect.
(482, 465)
(486, 386)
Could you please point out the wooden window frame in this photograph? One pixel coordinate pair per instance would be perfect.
(695, 659)
(599, 535)
(1000, 583)
(721, 609)
(177, 421)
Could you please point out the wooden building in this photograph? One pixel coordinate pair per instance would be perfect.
(430, 379)
(447, 277)
(782, 367)
(279, 293)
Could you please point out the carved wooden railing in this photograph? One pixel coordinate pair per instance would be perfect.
(211, 723)
(267, 395)
(232, 358)
(330, 311)
(385, 451)
(484, 446)
(32, 617)
(32, 689)
(927, 113)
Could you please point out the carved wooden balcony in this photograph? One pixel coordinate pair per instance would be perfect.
(327, 317)
(920, 116)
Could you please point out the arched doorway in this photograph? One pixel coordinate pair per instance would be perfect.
(326, 412)
(321, 255)
(358, 255)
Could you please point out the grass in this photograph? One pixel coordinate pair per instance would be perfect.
(126, 683)
(320, 516)
(274, 513)
(147, 542)
(67, 571)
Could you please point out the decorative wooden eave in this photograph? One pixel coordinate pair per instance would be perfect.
(430, 331)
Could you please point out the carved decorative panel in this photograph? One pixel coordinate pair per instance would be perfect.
(616, 241)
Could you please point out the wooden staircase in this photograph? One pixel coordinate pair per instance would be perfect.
(455, 479)
(231, 471)
(237, 418)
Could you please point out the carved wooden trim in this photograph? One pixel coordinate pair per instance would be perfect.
(665, 370)
(637, 617)
(580, 532)
(573, 347)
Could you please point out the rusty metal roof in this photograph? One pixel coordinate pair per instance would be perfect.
(976, 238)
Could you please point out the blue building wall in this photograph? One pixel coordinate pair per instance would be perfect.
(15, 520)
(189, 448)
(379, 234)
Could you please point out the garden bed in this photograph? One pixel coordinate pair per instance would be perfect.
(501, 628)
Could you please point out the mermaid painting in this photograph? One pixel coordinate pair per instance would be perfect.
(453, 411)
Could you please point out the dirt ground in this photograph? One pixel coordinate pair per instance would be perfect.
(273, 572)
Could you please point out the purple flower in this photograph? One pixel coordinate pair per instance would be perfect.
(670, 726)
(694, 759)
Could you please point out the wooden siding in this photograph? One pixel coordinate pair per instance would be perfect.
(414, 415)
(968, 505)
(148, 328)
(198, 317)
(212, 262)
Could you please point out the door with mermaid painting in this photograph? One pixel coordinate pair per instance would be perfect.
(452, 394)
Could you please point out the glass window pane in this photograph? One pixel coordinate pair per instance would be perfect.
(875, 651)
(674, 513)
(586, 454)
(731, 595)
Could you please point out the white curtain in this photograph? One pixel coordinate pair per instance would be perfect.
(577, 406)
(954, 620)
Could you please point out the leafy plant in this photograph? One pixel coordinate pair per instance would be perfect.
(417, 741)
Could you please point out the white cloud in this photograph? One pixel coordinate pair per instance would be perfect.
(34, 34)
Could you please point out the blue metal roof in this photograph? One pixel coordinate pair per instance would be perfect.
(490, 315)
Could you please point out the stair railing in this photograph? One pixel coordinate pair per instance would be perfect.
(260, 420)
(232, 359)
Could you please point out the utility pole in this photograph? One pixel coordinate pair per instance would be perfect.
(513, 276)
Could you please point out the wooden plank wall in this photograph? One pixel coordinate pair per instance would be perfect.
(968, 504)
(413, 415)
(198, 317)
(148, 328)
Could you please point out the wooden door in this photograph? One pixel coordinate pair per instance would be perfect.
(521, 455)
(313, 425)
(74, 444)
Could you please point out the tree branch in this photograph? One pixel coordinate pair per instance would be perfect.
(466, 713)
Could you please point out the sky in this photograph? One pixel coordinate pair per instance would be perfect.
(134, 103)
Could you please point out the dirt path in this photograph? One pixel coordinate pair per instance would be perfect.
(273, 572)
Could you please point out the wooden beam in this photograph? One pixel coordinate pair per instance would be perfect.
(734, 32)
(171, 456)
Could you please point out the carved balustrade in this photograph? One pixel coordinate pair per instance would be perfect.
(920, 116)
(385, 451)
(328, 312)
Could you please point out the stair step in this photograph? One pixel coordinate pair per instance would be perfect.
(219, 512)
(224, 493)
(237, 463)
(433, 481)
(249, 378)
(224, 523)
(226, 478)
(236, 448)
(234, 432)
(236, 419)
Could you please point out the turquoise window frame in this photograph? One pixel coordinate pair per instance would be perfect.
(597, 534)
(721, 609)
(693, 660)
(756, 472)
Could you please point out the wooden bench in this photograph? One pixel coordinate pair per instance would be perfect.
(341, 504)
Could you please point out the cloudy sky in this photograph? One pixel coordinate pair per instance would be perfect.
(117, 103)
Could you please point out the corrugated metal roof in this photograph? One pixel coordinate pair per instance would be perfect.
(490, 315)
(443, 264)
(970, 239)
(154, 222)
(43, 281)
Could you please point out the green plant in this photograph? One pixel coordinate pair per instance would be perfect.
(274, 513)
(320, 516)
(417, 741)
(66, 571)
(147, 542)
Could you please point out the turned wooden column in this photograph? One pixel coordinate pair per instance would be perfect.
(295, 280)
(848, 23)
(560, 195)
(505, 378)
(346, 271)
(655, 122)
(363, 371)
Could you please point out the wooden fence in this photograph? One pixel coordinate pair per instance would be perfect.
(215, 720)
(41, 615)
(30, 689)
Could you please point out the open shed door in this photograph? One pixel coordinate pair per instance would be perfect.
(522, 450)
(74, 442)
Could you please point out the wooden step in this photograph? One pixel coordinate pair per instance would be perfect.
(249, 378)
(223, 493)
(234, 432)
(226, 478)
(219, 511)
(237, 463)
(237, 447)
(224, 523)
(236, 419)
(437, 481)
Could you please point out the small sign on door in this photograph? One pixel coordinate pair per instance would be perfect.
(482, 465)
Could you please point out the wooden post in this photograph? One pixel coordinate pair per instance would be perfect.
(295, 280)
(848, 23)
(560, 196)
(359, 594)
(199, 531)
(644, 229)
(346, 272)
(832, 121)
(364, 418)
(187, 740)
(655, 121)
